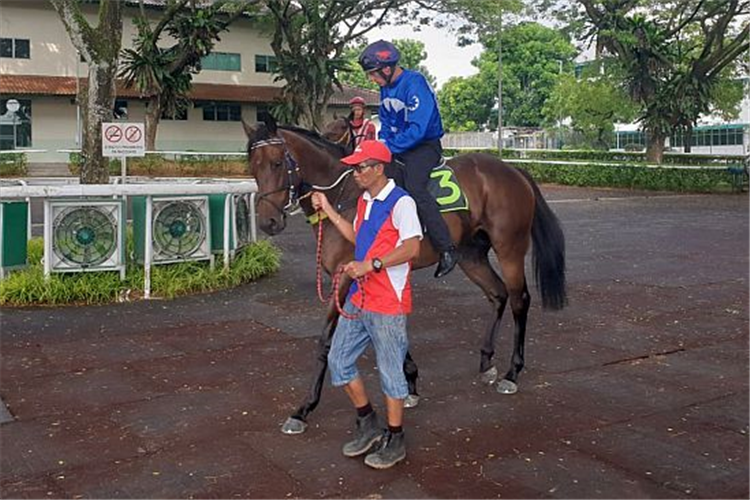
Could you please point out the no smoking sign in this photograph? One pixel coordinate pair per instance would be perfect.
(123, 139)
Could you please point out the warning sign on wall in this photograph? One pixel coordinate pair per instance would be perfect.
(123, 139)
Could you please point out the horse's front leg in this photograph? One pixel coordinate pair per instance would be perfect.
(297, 423)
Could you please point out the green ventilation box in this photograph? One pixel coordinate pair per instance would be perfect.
(181, 228)
(13, 235)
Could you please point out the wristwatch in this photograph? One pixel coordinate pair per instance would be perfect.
(377, 265)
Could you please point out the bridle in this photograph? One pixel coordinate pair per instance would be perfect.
(293, 185)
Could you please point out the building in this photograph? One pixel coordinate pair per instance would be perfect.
(40, 72)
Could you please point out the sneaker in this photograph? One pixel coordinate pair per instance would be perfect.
(391, 451)
(448, 261)
(367, 433)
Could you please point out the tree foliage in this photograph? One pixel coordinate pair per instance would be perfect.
(164, 74)
(593, 105)
(309, 39)
(674, 55)
(99, 46)
(533, 59)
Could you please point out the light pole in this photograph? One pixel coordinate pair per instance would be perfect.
(500, 86)
(559, 117)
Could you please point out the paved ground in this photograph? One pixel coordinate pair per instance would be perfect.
(639, 389)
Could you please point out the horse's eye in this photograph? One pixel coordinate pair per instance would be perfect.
(277, 164)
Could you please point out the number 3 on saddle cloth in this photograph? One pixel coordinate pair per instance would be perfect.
(443, 186)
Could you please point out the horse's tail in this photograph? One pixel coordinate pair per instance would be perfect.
(549, 251)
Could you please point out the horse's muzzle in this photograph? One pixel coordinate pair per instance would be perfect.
(272, 226)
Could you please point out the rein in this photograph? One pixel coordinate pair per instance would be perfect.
(334, 293)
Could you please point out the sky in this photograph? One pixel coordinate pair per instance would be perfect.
(444, 57)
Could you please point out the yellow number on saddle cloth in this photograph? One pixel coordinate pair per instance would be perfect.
(444, 187)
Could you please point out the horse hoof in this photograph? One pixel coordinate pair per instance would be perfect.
(411, 401)
(293, 426)
(489, 377)
(505, 386)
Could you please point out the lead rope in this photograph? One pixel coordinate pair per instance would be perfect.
(336, 284)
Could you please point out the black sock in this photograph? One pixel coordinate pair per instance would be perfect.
(364, 410)
(395, 429)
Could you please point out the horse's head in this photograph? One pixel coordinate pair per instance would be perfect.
(276, 173)
(286, 162)
(339, 131)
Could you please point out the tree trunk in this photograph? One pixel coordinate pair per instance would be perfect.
(655, 147)
(100, 47)
(98, 101)
(153, 113)
(687, 139)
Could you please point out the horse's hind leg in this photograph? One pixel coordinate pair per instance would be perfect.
(520, 300)
(476, 265)
(411, 372)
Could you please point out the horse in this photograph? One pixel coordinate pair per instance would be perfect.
(339, 131)
(506, 213)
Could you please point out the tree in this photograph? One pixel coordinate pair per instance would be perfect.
(100, 47)
(466, 103)
(533, 58)
(309, 39)
(674, 56)
(163, 75)
(412, 56)
(593, 105)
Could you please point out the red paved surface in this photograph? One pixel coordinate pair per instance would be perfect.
(638, 389)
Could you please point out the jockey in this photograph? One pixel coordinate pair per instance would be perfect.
(362, 129)
(411, 127)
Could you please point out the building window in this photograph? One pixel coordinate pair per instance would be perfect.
(222, 61)
(712, 136)
(265, 64)
(179, 115)
(17, 48)
(15, 127)
(221, 111)
(120, 111)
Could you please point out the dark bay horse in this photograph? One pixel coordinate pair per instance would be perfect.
(507, 212)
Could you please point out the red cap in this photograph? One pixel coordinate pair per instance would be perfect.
(368, 150)
(357, 100)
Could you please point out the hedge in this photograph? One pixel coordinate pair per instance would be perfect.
(687, 159)
(182, 165)
(13, 165)
(694, 180)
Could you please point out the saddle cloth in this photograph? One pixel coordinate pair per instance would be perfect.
(443, 186)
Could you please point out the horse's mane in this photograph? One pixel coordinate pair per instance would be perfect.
(336, 150)
(261, 133)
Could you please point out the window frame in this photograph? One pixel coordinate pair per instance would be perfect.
(215, 60)
(13, 46)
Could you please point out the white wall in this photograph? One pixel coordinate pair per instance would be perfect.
(52, 52)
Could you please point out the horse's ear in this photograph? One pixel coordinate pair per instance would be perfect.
(249, 129)
(269, 120)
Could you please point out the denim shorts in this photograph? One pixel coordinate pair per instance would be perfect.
(386, 332)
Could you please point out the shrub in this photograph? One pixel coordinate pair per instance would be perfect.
(156, 165)
(29, 287)
(688, 159)
(632, 177)
(13, 165)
